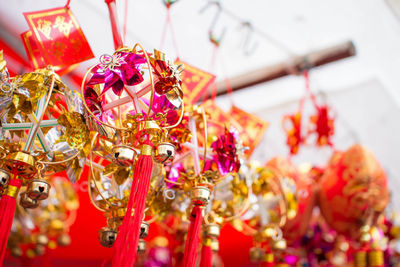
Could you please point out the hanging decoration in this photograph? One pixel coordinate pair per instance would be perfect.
(33, 144)
(36, 230)
(194, 82)
(321, 125)
(252, 128)
(55, 38)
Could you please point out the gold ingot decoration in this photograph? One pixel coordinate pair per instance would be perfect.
(22, 163)
(165, 153)
(256, 254)
(4, 178)
(27, 202)
(124, 155)
(149, 127)
(38, 189)
(144, 229)
(200, 195)
(141, 246)
(107, 237)
(211, 230)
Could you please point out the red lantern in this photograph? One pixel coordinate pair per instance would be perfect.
(353, 191)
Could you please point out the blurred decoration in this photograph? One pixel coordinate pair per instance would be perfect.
(353, 191)
(35, 231)
(322, 124)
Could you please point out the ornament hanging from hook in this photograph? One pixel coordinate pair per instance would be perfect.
(213, 37)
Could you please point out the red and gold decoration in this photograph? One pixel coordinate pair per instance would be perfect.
(353, 191)
(321, 125)
(55, 38)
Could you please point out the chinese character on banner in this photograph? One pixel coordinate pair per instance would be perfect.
(194, 82)
(55, 38)
(252, 128)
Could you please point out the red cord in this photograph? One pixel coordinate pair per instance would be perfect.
(7, 209)
(125, 20)
(168, 22)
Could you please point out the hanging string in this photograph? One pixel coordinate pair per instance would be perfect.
(213, 86)
(125, 20)
(308, 90)
(168, 24)
(165, 29)
(67, 4)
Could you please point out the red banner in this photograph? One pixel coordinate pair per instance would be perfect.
(55, 38)
(194, 82)
(252, 128)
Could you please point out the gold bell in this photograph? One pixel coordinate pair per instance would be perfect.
(27, 202)
(124, 155)
(165, 152)
(200, 195)
(16, 251)
(40, 250)
(214, 245)
(144, 229)
(42, 240)
(256, 254)
(212, 230)
(38, 189)
(64, 240)
(141, 246)
(107, 237)
(22, 163)
(4, 178)
(280, 244)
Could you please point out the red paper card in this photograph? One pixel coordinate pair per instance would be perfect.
(252, 128)
(58, 36)
(33, 50)
(194, 82)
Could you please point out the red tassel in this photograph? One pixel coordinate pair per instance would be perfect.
(206, 256)
(7, 208)
(125, 247)
(193, 237)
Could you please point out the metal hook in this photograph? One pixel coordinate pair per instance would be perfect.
(169, 3)
(248, 46)
(211, 33)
